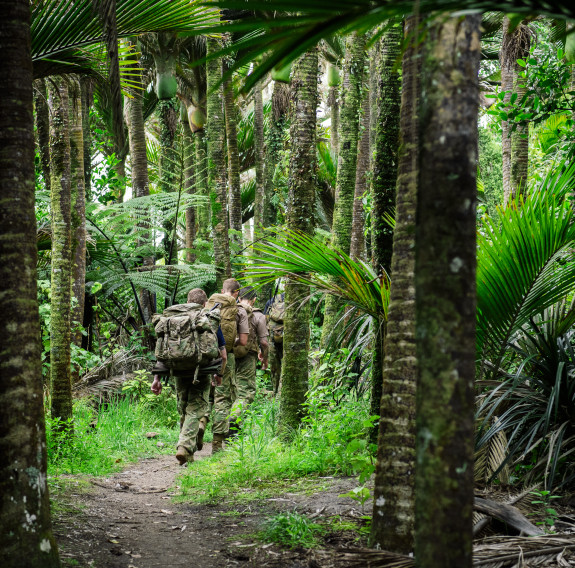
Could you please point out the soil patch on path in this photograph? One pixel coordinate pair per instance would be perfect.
(128, 520)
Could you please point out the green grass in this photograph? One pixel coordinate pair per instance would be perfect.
(104, 441)
(258, 464)
(292, 530)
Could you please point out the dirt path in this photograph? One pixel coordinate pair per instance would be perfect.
(128, 520)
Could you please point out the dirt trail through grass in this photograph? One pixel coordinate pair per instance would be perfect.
(129, 520)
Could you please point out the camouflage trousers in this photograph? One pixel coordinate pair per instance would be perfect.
(246, 380)
(276, 352)
(224, 397)
(192, 405)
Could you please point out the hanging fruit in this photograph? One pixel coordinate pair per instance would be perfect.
(197, 118)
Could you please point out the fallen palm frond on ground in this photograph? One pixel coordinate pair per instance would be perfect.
(495, 552)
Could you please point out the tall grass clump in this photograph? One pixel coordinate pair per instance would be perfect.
(106, 438)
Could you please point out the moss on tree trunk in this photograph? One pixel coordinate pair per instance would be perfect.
(446, 294)
(216, 131)
(25, 526)
(301, 199)
(393, 509)
(60, 204)
(189, 187)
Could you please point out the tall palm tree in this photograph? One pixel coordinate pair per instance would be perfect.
(24, 502)
(259, 143)
(42, 128)
(446, 294)
(60, 379)
(294, 377)
(348, 138)
(393, 508)
(217, 163)
(78, 211)
(188, 141)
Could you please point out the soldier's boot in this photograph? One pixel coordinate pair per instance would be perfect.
(183, 456)
(217, 443)
(201, 432)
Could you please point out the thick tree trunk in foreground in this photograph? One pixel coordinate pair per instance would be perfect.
(25, 528)
(216, 130)
(235, 193)
(385, 164)
(78, 213)
(346, 164)
(446, 295)
(60, 379)
(301, 199)
(393, 509)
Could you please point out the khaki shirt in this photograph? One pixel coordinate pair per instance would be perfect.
(259, 321)
(242, 321)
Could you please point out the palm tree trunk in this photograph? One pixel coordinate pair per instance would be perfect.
(217, 164)
(25, 525)
(386, 92)
(87, 100)
(259, 143)
(43, 128)
(294, 377)
(346, 164)
(357, 246)
(446, 295)
(235, 196)
(393, 508)
(140, 179)
(333, 104)
(60, 379)
(78, 213)
(190, 188)
(204, 212)
(506, 86)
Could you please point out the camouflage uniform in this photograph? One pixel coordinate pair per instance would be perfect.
(192, 405)
(224, 397)
(275, 354)
(246, 379)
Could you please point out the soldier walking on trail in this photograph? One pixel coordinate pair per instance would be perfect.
(274, 311)
(192, 383)
(235, 327)
(246, 356)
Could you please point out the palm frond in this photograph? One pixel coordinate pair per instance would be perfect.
(308, 260)
(525, 262)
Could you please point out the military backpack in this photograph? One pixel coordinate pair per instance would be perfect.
(252, 345)
(186, 336)
(228, 308)
(276, 320)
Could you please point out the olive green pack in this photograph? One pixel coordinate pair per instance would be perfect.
(186, 336)
(228, 308)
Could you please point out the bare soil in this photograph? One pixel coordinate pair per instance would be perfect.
(129, 520)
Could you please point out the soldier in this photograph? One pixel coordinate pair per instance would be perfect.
(192, 396)
(246, 357)
(235, 327)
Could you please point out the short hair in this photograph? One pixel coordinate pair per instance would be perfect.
(230, 285)
(197, 296)
(248, 293)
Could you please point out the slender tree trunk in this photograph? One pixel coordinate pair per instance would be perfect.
(507, 87)
(259, 157)
(140, 180)
(25, 528)
(190, 188)
(346, 163)
(357, 246)
(216, 131)
(204, 212)
(446, 295)
(78, 213)
(301, 199)
(393, 508)
(60, 378)
(169, 162)
(86, 94)
(333, 104)
(43, 128)
(235, 194)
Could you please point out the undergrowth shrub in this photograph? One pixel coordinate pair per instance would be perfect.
(292, 530)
